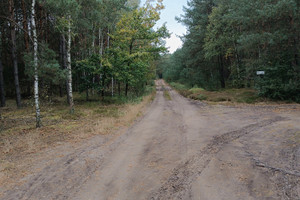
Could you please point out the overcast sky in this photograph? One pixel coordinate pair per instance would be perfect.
(172, 9)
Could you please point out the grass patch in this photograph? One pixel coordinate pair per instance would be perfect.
(182, 89)
(243, 95)
(108, 111)
(167, 95)
(68, 116)
(196, 90)
(200, 97)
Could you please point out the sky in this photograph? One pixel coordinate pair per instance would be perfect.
(172, 9)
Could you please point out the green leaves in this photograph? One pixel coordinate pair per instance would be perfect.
(49, 70)
(136, 44)
(87, 69)
(229, 40)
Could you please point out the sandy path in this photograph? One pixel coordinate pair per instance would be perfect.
(182, 149)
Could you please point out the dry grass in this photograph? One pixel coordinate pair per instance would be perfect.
(20, 140)
(243, 95)
(167, 94)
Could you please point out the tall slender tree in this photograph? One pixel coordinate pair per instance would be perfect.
(69, 67)
(14, 51)
(35, 61)
(66, 14)
(25, 25)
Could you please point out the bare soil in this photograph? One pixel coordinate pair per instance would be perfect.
(180, 149)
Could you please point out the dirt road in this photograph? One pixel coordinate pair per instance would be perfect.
(180, 149)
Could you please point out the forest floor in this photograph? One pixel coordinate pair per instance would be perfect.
(22, 145)
(179, 149)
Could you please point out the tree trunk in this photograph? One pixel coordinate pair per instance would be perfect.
(87, 95)
(25, 26)
(69, 67)
(93, 88)
(221, 71)
(238, 61)
(87, 88)
(119, 88)
(13, 52)
(2, 92)
(60, 91)
(103, 85)
(61, 61)
(35, 58)
(126, 89)
(64, 63)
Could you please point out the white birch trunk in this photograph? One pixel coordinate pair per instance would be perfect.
(36, 76)
(69, 68)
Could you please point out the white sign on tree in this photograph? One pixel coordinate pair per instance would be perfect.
(260, 73)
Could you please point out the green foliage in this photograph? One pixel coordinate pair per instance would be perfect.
(280, 82)
(178, 86)
(136, 45)
(49, 69)
(229, 40)
(86, 70)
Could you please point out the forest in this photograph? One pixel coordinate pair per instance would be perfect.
(94, 106)
(229, 41)
(55, 48)
(112, 48)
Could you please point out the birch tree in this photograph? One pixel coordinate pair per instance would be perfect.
(35, 62)
(69, 67)
(66, 12)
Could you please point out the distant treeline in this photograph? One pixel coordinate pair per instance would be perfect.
(228, 41)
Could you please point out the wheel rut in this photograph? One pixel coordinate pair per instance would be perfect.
(178, 185)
